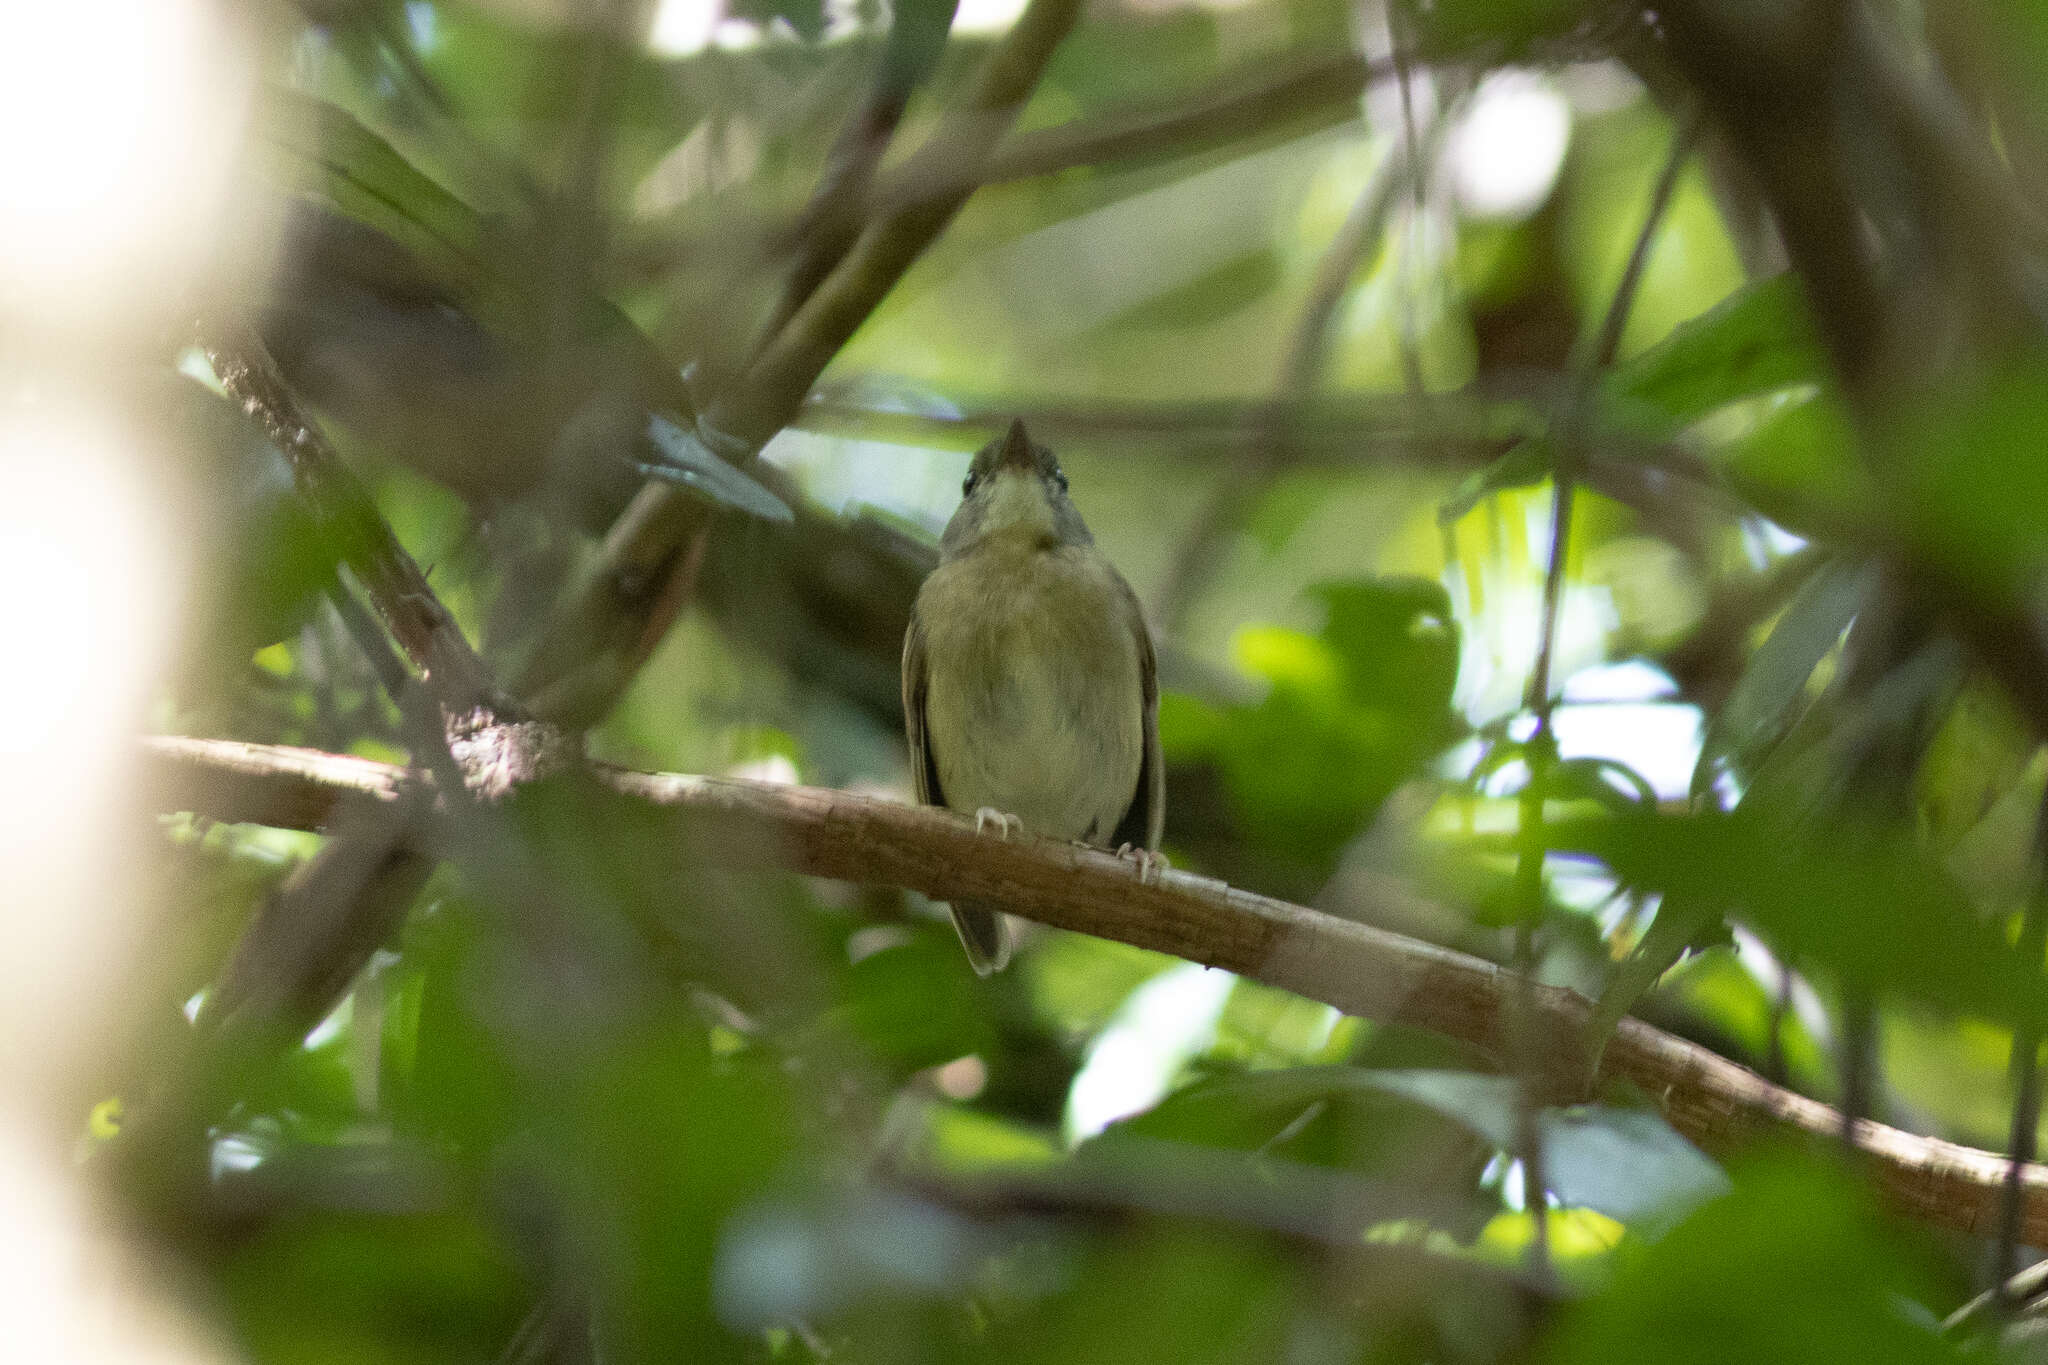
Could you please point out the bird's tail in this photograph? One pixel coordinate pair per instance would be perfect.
(984, 933)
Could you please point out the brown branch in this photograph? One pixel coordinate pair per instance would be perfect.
(840, 205)
(311, 938)
(1355, 968)
(642, 545)
(776, 384)
(424, 629)
(1287, 97)
(1290, 94)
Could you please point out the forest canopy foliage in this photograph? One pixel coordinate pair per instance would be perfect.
(1583, 467)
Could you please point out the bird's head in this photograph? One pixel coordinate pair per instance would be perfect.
(1015, 490)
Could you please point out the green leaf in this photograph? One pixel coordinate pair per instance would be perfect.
(913, 1005)
(364, 1288)
(315, 147)
(807, 17)
(1680, 923)
(1448, 28)
(1874, 909)
(1812, 769)
(1396, 639)
(1976, 760)
(1758, 709)
(1794, 1265)
(1757, 341)
(1154, 1293)
(271, 562)
(500, 70)
(1485, 1104)
(1799, 466)
(687, 460)
(1527, 463)
(1215, 294)
(1975, 481)
(1626, 1163)
(1426, 1162)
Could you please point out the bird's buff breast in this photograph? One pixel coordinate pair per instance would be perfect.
(1034, 702)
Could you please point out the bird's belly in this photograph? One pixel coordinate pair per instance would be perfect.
(1058, 750)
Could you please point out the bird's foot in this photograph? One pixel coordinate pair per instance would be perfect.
(1149, 862)
(1006, 824)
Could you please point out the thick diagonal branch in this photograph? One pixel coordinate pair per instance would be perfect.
(640, 551)
(397, 589)
(1360, 970)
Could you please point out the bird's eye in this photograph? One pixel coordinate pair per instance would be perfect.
(967, 486)
(1059, 476)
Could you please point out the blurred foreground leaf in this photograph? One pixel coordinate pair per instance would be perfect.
(1793, 1265)
(1626, 1163)
(1758, 341)
(1876, 911)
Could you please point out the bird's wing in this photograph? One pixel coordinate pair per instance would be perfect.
(1145, 821)
(983, 932)
(924, 766)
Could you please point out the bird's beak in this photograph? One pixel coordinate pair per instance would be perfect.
(1016, 451)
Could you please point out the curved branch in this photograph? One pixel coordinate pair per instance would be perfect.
(1358, 969)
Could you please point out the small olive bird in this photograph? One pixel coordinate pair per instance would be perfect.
(1029, 688)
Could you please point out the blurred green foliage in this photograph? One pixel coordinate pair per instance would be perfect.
(596, 1102)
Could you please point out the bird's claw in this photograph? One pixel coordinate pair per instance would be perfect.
(1006, 824)
(1149, 862)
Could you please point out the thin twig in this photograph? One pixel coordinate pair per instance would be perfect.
(1289, 97)
(1418, 188)
(2020, 1292)
(831, 222)
(2026, 1079)
(1272, 438)
(1290, 94)
(776, 384)
(1326, 427)
(1607, 343)
(1540, 699)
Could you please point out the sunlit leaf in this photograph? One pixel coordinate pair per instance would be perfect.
(1757, 341)
(1879, 912)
